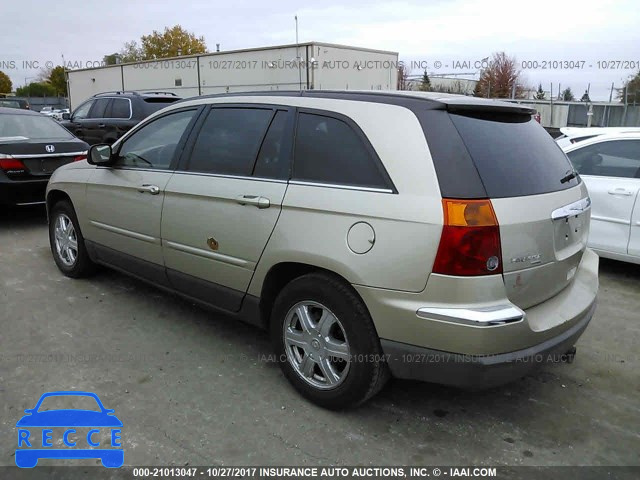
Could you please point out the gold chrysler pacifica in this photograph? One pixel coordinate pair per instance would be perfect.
(424, 236)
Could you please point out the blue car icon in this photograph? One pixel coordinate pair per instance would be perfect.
(32, 447)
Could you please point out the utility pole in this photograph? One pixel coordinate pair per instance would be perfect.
(551, 107)
(298, 54)
(609, 106)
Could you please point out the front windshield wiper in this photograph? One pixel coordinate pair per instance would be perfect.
(571, 174)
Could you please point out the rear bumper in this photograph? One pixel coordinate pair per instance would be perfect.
(22, 191)
(479, 371)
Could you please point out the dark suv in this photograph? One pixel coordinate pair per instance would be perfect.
(12, 102)
(105, 117)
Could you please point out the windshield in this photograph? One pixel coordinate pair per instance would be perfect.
(66, 402)
(33, 127)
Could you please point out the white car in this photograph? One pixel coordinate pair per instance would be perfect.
(57, 114)
(609, 165)
(48, 111)
(571, 135)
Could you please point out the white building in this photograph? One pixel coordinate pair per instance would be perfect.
(312, 65)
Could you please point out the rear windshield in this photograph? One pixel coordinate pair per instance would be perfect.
(494, 155)
(32, 127)
(155, 104)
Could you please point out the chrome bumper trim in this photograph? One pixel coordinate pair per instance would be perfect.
(475, 317)
(575, 208)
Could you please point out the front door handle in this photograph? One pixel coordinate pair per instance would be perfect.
(101, 125)
(152, 189)
(260, 202)
(620, 191)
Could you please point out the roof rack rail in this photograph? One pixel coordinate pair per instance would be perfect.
(158, 93)
(118, 92)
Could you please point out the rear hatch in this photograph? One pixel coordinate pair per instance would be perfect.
(542, 210)
(155, 102)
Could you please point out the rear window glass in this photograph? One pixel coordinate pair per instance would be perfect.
(120, 108)
(152, 104)
(328, 150)
(32, 126)
(513, 155)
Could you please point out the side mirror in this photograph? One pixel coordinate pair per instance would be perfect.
(100, 154)
(29, 410)
(66, 116)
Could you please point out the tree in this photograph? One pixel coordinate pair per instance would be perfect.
(111, 59)
(172, 42)
(5, 83)
(403, 77)
(540, 93)
(131, 52)
(500, 78)
(425, 83)
(58, 80)
(567, 95)
(630, 93)
(36, 89)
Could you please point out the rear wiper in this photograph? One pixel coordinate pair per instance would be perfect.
(571, 174)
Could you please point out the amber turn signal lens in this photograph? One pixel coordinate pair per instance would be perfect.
(469, 213)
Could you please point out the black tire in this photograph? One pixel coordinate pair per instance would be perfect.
(367, 371)
(82, 266)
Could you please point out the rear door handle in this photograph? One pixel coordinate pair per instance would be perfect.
(620, 191)
(152, 189)
(101, 125)
(260, 202)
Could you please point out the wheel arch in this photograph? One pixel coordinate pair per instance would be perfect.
(54, 196)
(281, 274)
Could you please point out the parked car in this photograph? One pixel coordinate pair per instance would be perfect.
(610, 167)
(32, 146)
(434, 237)
(107, 116)
(48, 111)
(11, 102)
(571, 135)
(58, 114)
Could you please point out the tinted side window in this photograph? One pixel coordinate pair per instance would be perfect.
(328, 150)
(154, 145)
(82, 111)
(120, 108)
(100, 107)
(617, 158)
(229, 140)
(274, 156)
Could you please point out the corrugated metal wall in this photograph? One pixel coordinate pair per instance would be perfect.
(325, 66)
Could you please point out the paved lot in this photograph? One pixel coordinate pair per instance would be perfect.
(192, 388)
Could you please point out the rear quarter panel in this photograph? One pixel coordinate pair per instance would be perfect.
(315, 220)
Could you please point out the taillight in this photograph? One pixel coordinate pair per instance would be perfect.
(470, 240)
(11, 165)
(80, 157)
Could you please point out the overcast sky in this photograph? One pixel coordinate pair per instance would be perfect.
(432, 31)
